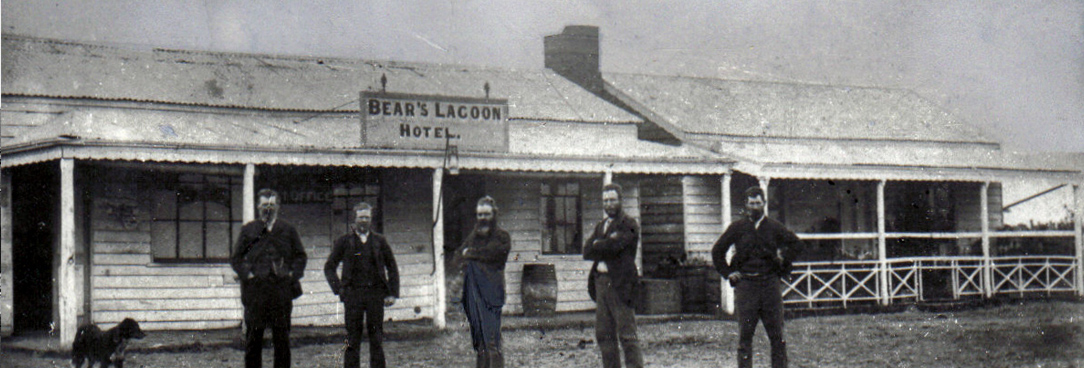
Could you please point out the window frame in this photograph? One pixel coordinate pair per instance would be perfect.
(161, 183)
(550, 191)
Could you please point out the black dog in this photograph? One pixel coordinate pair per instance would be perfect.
(105, 348)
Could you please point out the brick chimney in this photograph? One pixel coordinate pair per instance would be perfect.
(574, 55)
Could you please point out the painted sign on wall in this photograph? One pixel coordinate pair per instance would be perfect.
(391, 120)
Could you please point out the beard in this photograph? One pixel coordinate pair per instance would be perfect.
(756, 214)
(484, 226)
(266, 214)
(612, 212)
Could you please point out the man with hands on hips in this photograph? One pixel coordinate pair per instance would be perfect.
(763, 252)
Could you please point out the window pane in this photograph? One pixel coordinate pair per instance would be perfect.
(190, 178)
(164, 204)
(558, 211)
(237, 201)
(217, 211)
(547, 240)
(163, 239)
(190, 240)
(191, 211)
(357, 191)
(546, 189)
(235, 232)
(570, 211)
(574, 188)
(218, 240)
(561, 241)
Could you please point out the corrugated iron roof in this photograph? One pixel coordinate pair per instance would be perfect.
(807, 131)
(876, 157)
(334, 139)
(42, 67)
(784, 110)
(167, 105)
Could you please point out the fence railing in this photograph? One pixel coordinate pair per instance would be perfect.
(927, 278)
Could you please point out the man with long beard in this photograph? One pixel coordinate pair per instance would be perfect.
(614, 280)
(270, 262)
(483, 255)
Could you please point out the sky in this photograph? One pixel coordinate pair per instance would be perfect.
(1014, 68)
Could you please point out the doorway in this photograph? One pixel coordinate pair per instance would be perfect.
(35, 205)
(461, 193)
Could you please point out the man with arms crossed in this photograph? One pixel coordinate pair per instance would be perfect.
(483, 256)
(613, 281)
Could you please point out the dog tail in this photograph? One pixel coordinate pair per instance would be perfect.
(79, 346)
(80, 338)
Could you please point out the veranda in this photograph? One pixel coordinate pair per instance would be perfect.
(883, 242)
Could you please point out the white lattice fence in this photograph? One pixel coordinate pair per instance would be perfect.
(817, 284)
(1033, 274)
(822, 282)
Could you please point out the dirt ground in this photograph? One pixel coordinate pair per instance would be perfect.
(1036, 334)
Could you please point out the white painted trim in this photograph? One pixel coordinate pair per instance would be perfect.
(1078, 230)
(66, 300)
(727, 292)
(439, 304)
(882, 255)
(248, 214)
(7, 301)
(987, 270)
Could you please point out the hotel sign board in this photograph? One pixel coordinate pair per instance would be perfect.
(404, 121)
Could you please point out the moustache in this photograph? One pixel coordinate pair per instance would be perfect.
(267, 213)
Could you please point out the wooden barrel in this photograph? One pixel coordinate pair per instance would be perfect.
(539, 290)
(699, 289)
(660, 296)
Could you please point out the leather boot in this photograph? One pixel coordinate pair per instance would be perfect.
(483, 361)
(494, 357)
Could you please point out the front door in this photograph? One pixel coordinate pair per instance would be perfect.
(35, 205)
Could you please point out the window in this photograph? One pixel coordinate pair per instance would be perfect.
(195, 217)
(345, 196)
(561, 207)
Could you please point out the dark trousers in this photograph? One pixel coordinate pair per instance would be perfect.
(760, 299)
(365, 311)
(267, 304)
(615, 322)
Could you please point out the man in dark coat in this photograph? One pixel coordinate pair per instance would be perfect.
(763, 250)
(370, 282)
(613, 281)
(270, 262)
(483, 256)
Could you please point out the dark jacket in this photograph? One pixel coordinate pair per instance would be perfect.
(348, 251)
(489, 254)
(756, 248)
(275, 256)
(616, 247)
